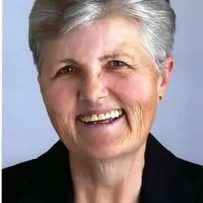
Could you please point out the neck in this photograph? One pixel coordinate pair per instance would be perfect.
(108, 181)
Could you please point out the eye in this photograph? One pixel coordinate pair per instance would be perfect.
(66, 70)
(114, 64)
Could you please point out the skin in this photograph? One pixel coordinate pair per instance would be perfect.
(94, 69)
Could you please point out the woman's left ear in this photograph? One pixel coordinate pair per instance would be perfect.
(165, 77)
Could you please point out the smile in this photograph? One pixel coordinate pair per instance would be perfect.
(102, 118)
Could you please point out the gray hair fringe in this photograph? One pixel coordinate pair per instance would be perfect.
(54, 18)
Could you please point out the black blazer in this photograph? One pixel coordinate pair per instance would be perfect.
(47, 179)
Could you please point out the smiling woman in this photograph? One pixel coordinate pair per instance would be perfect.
(103, 67)
(95, 86)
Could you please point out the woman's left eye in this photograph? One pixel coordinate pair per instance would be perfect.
(116, 64)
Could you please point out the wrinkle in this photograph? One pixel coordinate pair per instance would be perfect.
(135, 117)
(65, 128)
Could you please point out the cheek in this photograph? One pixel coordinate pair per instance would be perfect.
(60, 103)
(135, 89)
(59, 98)
(138, 95)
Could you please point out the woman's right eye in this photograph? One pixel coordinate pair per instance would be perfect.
(66, 70)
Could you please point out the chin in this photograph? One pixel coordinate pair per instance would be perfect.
(107, 152)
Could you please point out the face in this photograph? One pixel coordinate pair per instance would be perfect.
(101, 88)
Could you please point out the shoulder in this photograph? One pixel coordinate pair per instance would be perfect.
(21, 171)
(192, 177)
(157, 153)
(190, 170)
(37, 179)
(18, 179)
(171, 177)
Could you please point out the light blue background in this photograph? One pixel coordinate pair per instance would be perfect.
(27, 131)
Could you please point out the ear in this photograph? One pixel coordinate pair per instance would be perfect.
(165, 76)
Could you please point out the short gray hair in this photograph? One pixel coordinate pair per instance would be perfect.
(51, 18)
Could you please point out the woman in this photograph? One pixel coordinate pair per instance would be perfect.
(103, 68)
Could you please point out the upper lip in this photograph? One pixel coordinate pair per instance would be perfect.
(98, 111)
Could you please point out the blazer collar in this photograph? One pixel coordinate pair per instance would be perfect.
(162, 179)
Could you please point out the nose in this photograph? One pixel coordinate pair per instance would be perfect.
(93, 89)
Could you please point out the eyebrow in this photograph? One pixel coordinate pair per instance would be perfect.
(102, 58)
(69, 60)
(116, 54)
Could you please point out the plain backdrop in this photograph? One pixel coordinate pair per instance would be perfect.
(27, 131)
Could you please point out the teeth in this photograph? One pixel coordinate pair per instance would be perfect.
(100, 117)
(94, 117)
(107, 115)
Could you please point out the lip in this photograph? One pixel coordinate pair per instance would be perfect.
(102, 126)
(98, 111)
(111, 128)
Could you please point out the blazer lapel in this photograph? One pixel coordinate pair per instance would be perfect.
(162, 182)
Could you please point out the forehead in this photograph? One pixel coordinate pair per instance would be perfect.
(102, 37)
